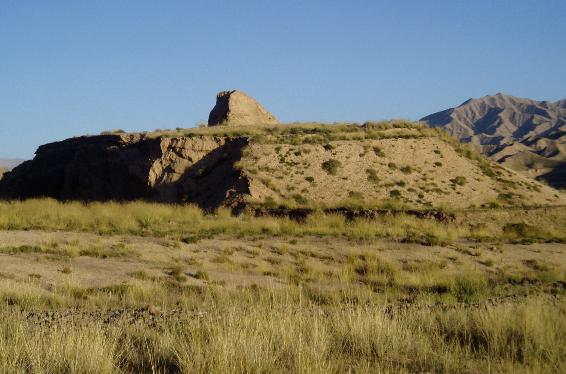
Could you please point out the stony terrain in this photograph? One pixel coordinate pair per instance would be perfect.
(523, 134)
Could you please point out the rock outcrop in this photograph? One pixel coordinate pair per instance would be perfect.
(237, 109)
(132, 167)
(523, 134)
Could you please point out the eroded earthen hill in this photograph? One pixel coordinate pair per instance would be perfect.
(295, 165)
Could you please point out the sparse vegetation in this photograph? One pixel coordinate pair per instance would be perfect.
(350, 303)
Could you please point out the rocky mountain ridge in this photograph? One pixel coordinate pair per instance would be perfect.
(523, 134)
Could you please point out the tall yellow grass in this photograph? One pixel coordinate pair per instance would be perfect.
(289, 337)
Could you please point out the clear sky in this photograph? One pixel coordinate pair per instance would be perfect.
(80, 67)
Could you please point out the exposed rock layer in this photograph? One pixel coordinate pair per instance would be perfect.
(130, 167)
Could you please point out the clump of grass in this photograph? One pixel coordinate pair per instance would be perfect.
(395, 194)
(202, 275)
(331, 166)
(535, 265)
(428, 239)
(378, 151)
(459, 180)
(356, 195)
(139, 274)
(406, 169)
(177, 272)
(469, 287)
(372, 175)
(300, 199)
(522, 232)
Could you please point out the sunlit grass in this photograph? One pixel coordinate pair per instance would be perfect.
(284, 335)
(142, 218)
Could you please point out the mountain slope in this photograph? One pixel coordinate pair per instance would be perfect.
(526, 135)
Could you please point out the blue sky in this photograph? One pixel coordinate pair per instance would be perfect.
(80, 67)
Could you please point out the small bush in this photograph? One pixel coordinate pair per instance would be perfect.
(378, 151)
(355, 195)
(202, 275)
(406, 169)
(392, 166)
(270, 202)
(395, 194)
(469, 288)
(309, 179)
(176, 272)
(438, 164)
(486, 169)
(372, 175)
(331, 166)
(459, 180)
(300, 199)
(523, 231)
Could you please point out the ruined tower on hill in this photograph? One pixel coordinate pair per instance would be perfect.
(235, 108)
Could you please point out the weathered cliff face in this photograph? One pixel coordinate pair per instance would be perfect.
(129, 167)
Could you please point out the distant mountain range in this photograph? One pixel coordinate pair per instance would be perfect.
(526, 135)
(9, 163)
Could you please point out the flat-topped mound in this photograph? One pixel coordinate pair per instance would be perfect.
(298, 165)
(236, 108)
